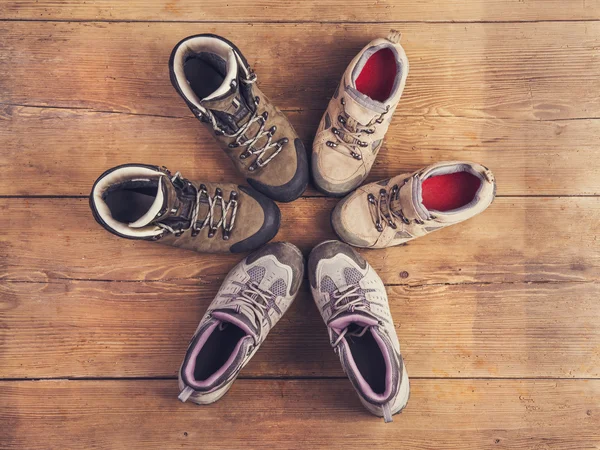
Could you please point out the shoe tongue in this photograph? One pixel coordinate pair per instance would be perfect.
(361, 108)
(346, 319)
(227, 103)
(242, 317)
(163, 202)
(409, 200)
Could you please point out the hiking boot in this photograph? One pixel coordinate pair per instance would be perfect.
(251, 300)
(138, 201)
(353, 127)
(394, 211)
(353, 303)
(218, 85)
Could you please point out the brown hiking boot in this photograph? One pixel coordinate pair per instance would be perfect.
(138, 201)
(394, 211)
(353, 127)
(218, 85)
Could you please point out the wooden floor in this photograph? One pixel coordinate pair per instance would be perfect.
(498, 318)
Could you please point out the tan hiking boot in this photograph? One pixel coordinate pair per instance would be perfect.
(353, 127)
(138, 201)
(394, 211)
(218, 85)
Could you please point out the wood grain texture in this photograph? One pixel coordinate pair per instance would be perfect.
(307, 10)
(99, 329)
(527, 71)
(481, 414)
(516, 239)
(527, 157)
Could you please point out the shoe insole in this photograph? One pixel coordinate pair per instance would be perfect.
(450, 191)
(128, 205)
(204, 77)
(369, 360)
(376, 78)
(216, 350)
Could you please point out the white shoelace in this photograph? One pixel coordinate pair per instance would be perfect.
(256, 299)
(213, 201)
(249, 143)
(355, 301)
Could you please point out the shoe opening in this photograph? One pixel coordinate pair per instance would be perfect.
(205, 73)
(369, 358)
(449, 191)
(376, 79)
(214, 353)
(131, 200)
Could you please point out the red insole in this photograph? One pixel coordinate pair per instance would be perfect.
(451, 191)
(376, 79)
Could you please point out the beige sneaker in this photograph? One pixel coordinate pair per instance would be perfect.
(394, 211)
(213, 77)
(353, 127)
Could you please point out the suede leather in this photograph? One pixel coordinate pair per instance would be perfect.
(285, 177)
(353, 222)
(257, 219)
(335, 171)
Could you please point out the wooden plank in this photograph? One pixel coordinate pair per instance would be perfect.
(516, 239)
(300, 414)
(528, 157)
(99, 329)
(535, 71)
(308, 10)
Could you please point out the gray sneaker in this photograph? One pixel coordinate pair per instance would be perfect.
(353, 303)
(251, 300)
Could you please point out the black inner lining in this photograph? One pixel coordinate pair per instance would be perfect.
(217, 350)
(205, 72)
(368, 358)
(130, 200)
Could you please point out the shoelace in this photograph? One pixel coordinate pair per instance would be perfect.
(349, 134)
(355, 301)
(256, 299)
(213, 201)
(241, 141)
(381, 212)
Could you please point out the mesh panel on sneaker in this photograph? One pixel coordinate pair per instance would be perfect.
(256, 273)
(279, 288)
(352, 275)
(327, 285)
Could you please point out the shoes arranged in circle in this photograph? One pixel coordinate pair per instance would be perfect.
(145, 202)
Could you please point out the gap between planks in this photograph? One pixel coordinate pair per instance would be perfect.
(290, 110)
(302, 22)
(291, 378)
